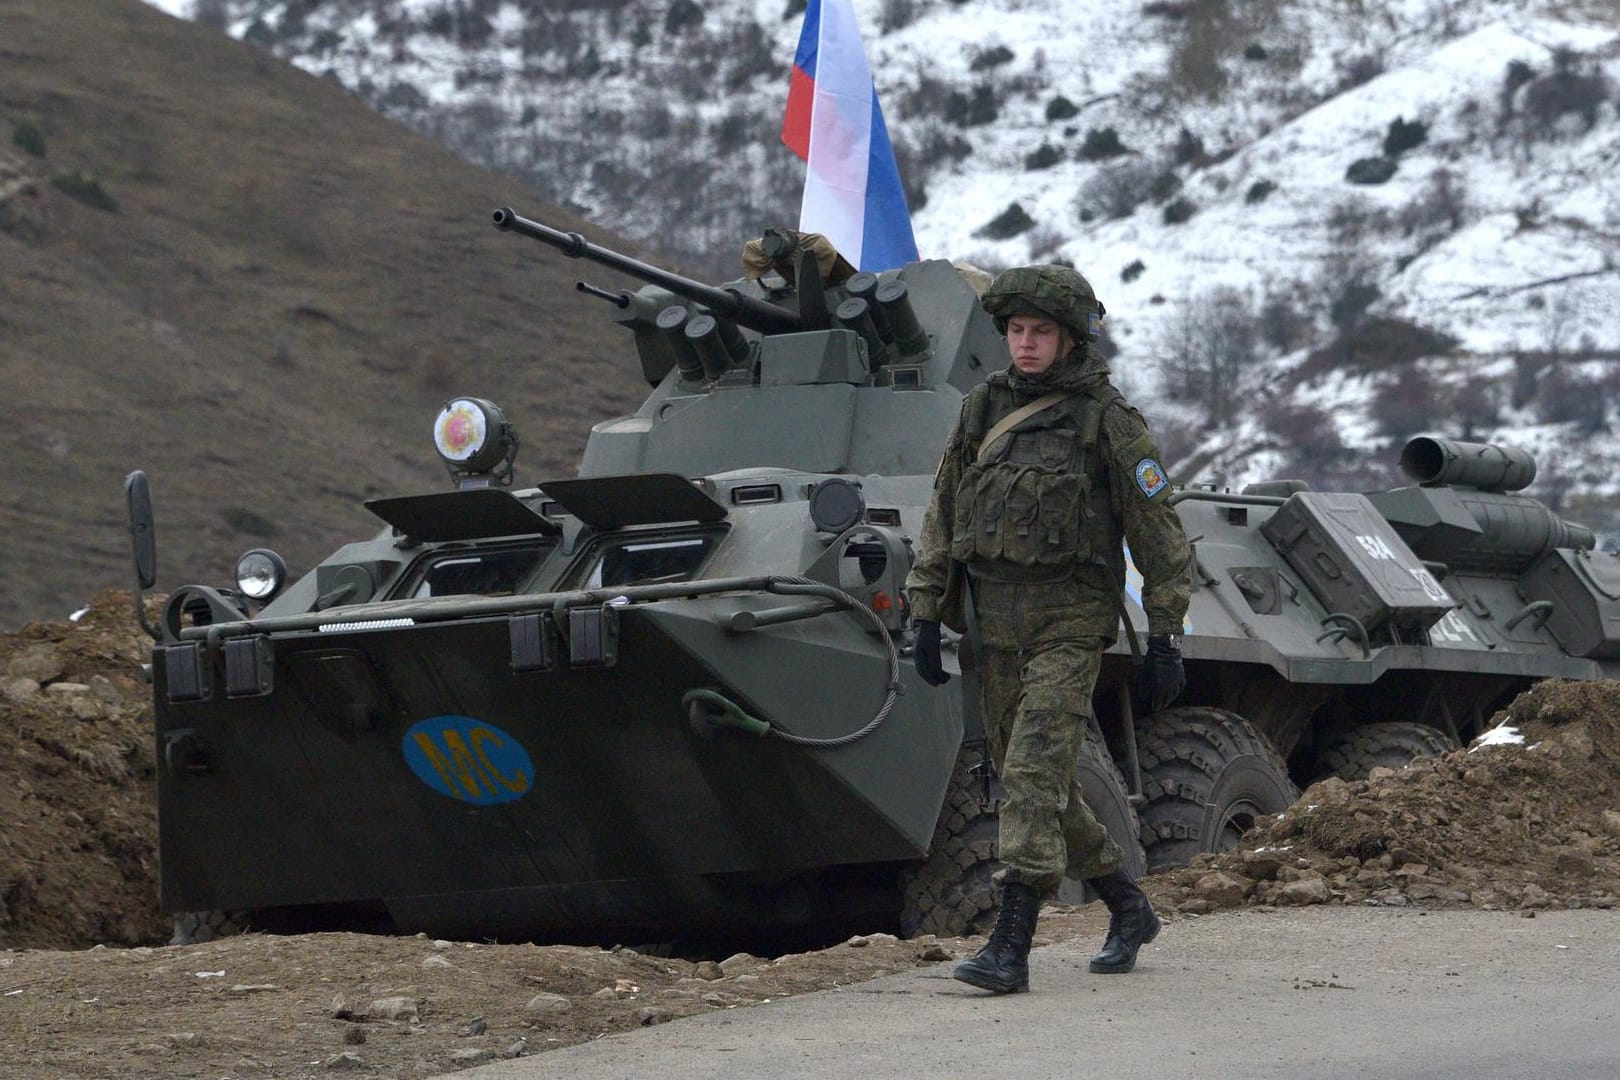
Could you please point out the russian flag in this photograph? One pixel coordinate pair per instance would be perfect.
(852, 192)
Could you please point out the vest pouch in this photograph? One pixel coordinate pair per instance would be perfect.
(1061, 505)
(990, 506)
(1054, 449)
(976, 530)
(1020, 526)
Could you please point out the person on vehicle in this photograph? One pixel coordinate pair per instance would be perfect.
(1047, 472)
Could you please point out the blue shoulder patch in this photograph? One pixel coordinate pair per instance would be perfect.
(1150, 477)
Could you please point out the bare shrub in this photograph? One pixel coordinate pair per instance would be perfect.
(1180, 212)
(1207, 33)
(1359, 71)
(1404, 135)
(1101, 143)
(748, 53)
(1282, 325)
(1351, 302)
(972, 110)
(1406, 404)
(917, 165)
(1189, 150)
(1205, 350)
(1007, 224)
(1575, 87)
(683, 15)
(1042, 157)
(1518, 74)
(1115, 191)
(1376, 344)
(1061, 108)
(1527, 369)
(1558, 320)
(1165, 185)
(1370, 171)
(993, 57)
(1384, 342)
(1443, 203)
(1308, 434)
(1476, 404)
(1353, 221)
(926, 99)
(732, 131)
(896, 14)
(1566, 397)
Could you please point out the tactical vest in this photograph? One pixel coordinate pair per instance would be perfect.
(1036, 507)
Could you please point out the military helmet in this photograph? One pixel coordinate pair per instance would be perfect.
(1048, 291)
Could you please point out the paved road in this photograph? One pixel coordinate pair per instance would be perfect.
(1324, 993)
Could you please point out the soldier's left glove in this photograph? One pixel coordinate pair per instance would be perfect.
(1162, 678)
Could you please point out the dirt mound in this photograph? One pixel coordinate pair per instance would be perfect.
(78, 806)
(1502, 825)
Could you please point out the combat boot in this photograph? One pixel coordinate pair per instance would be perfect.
(1131, 922)
(1002, 966)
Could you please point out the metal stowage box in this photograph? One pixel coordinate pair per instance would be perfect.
(1354, 562)
(1585, 595)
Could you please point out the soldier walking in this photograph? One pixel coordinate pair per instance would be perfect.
(1047, 472)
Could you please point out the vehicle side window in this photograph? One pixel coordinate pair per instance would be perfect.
(499, 572)
(645, 562)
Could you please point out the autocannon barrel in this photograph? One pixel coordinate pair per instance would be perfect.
(1466, 464)
(727, 303)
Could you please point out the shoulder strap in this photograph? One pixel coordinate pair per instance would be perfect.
(1016, 417)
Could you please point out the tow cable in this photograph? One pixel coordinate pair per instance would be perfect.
(706, 708)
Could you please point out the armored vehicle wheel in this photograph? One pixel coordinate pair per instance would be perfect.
(191, 927)
(1393, 744)
(1208, 777)
(950, 893)
(1109, 799)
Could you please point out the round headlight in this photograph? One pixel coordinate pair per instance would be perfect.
(470, 434)
(260, 573)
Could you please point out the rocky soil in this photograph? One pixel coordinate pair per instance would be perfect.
(88, 987)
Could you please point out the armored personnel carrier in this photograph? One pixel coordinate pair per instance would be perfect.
(668, 696)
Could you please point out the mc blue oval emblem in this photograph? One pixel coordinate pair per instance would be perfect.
(469, 760)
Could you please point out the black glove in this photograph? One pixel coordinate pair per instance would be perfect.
(926, 653)
(1162, 678)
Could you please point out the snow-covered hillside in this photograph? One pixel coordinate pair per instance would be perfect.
(1318, 226)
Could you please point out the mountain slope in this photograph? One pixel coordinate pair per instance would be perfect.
(288, 288)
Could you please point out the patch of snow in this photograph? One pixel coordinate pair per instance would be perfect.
(1500, 735)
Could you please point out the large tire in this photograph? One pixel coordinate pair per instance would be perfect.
(1110, 801)
(950, 893)
(1393, 744)
(1208, 777)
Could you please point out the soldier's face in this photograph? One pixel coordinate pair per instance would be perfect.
(1035, 344)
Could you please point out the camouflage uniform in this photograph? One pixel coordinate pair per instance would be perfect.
(1038, 524)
